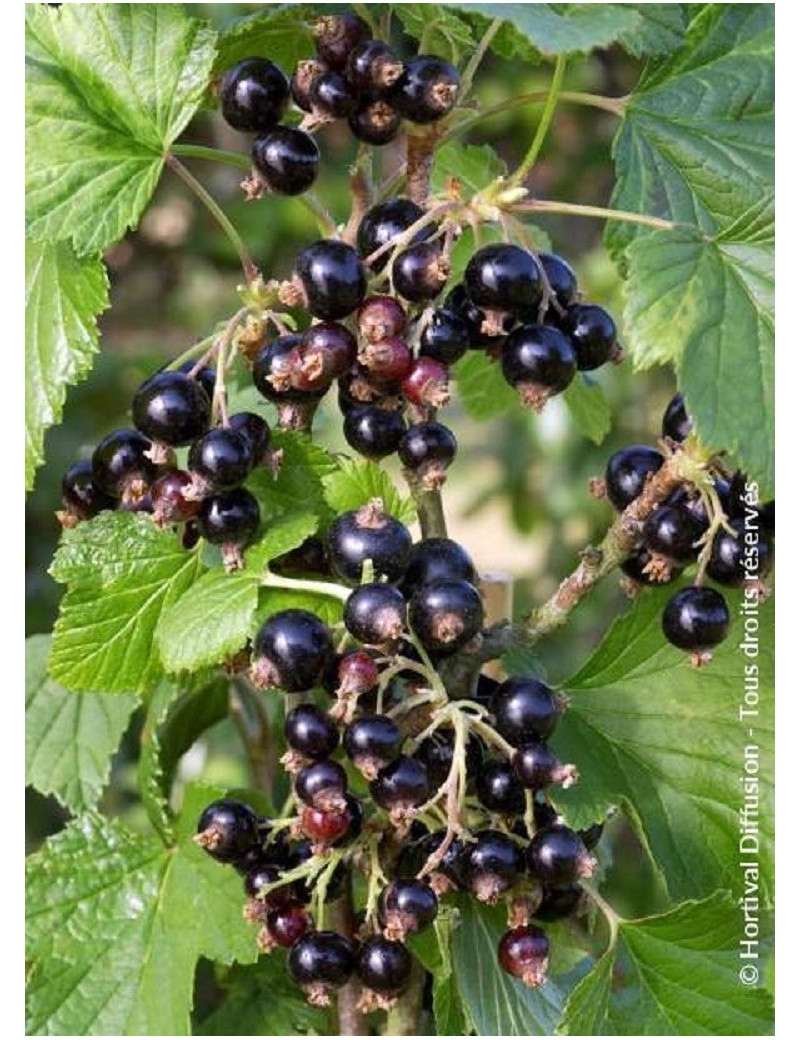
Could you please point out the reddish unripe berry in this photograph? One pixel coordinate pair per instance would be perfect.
(323, 828)
(387, 362)
(169, 503)
(287, 924)
(523, 953)
(427, 385)
(380, 317)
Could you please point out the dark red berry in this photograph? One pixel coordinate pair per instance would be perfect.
(287, 924)
(384, 967)
(365, 534)
(427, 449)
(491, 864)
(338, 35)
(320, 961)
(427, 384)
(80, 496)
(373, 432)
(168, 495)
(220, 460)
(695, 619)
(324, 828)
(445, 338)
(744, 554)
(326, 351)
(523, 953)
(171, 408)
(121, 467)
(384, 223)
(407, 906)
(227, 830)
(254, 95)
(677, 423)
(446, 615)
(353, 674)
(332, 277)
(386, 362)
(401, 785)
(420, 272)
(498, 789)
(379, 318)
(286, 159)
(372, 742)
(438, 559)
(557, 856)
(375, 614)
(375, 121)
(292, 649)
(525, 710)
(372, 65)
(311, 731)
(539, 362)
(627, 473)
(427, 89)
(503, 277)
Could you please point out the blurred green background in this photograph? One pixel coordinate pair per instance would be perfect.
(517, 494)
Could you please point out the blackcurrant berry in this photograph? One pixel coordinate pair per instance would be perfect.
(254, 95)
(171, 408)
(320, 961)
(322, 785)
(407, 906)
(414, 857)
(558, 902)
(380, 318)
(592, 332)
(401, 785)
(386, 363)
(561, 279)
(525, 710)
(639, 567)
(324, 828)
(333, 96)
(523, 953)
(229, 518)
(591, 835)
(747, 553)
(372, 65)
(286, 924)
(220, 460)
(352, 674)
(260, 875)
(696, 619)
(338, 35)
(286, 159)
(311, 732)
(420, 272)
(332, 277)
(536, 766)
(80, 496)
(677, 423)
(491, 864)
(427, 89)
(227, 830)
(375, 121)
(445, 338)
(438, 559)
(539, 362)
(372, 742)
(255, 431)
(303, 78)
(498, 789)
(325, 352)
(484, 688)
(121, 467)
(557, 856)
(504, 278)
(310, 557)
(375, 614)
(627, 473)
(275, 368)
(427, 449)
(436, 754)
(383, 966)
(446, 615)
(292, 649)
(206, 377)
(373, 432)
(365, 534)
(427, 384)
(384, 223)
(672, 531)
(168, 495)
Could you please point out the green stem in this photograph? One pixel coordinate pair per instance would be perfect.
(612, 917)
(404, 1018)
(578, 210)
(322, 588)
(476, 59)
(248, 264)
(544, 123)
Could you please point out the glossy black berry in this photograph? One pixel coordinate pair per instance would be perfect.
(415, 855)
(169, 497)
(400, 785)
(558, 902)
(536, 767)
(255, 431)
(593, 334)
(420, 272)
(320, 961)
(503, 277)
(227, 830)
(275, 368)
(375, 614)
(333, 279)
(475, 319)
(673, 531)
(121, 467)
(311, 732)
(206, 377)
(338, 35)
(365, 534)
(407, 906)
(591, 835)
(525, 710)
(383, 966)
(294, 647)
(427, 89)
(627, 473)
(445, 337)
(372, 65)
(446, 615)
(557, 856)
(333, 96)
(523, 953)
(538, 360)
(80, 496)
(695, 619)
(438, 559)
(221, 459)
(375, 121)
(322, 785)
(384, 223)
(436, 754)
(677, 423)
(327, 350)
(231, 516)
(303, 78)
(286, 159)
(372, 431)
(640, 569)
(372, 742)
(491, 864)
(254, 95)
(498, 789)
(745, 553)
(261, 874)
(309, 558)
(171, 408)
(428, 448)
(561, 278)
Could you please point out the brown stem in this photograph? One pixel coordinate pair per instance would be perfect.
(430, 510)
(419, 163)
(351, 1021)
(361, 191)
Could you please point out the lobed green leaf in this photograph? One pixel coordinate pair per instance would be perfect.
(359, 481)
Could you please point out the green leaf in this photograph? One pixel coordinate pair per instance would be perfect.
(696, 144)
(497, 1004)
(123, 574)
(213, 619)
(63, 297)
(69, 737)
(116, 923)
(474, 166)
(445, 34)
(188, 717)
(263, 1000)
(482, 388)
(109, 88)
(665, 739)
(707, 307)
(153, 791)
(432, 948)
(281, 33)
(589, 408)
(298, 485)
(357, 482)
(271, 601)
(661, 28)
(673, 975)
